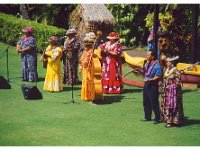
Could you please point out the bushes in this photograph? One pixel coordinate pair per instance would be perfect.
(11, 30)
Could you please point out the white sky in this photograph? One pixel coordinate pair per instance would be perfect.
(101, 1)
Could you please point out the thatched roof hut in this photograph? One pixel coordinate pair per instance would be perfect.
(92, 17)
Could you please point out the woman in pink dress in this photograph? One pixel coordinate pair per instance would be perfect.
(112, 65)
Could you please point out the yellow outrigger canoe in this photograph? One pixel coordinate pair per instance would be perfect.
(190, 73)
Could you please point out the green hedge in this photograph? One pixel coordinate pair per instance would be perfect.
(11, 30)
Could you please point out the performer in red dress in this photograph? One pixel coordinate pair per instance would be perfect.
(112, 65)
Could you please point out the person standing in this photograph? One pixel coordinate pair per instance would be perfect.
(171, 99)
(87, 70)
(112, 65)
(27, 47)
(70, 58)
(152, 74)
(53, 54)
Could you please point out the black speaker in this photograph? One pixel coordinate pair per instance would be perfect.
(4, 83)
(31, 92)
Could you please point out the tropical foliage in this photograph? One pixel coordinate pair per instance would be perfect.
(133, 22)
(11, 30)
(166, 19)
(130, 22)
(49, 14)
(179, 29)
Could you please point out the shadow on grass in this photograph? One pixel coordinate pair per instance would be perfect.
(40, 79)
(63, 99)
(188, 121)
(69, 88)
(188, 90)
(132, 91)
(109, 99)
(15, 78)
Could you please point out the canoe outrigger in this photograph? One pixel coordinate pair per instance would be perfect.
(190, 73)
(135, 63)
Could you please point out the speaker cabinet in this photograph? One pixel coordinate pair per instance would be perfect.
(31, 92)
(4, 83)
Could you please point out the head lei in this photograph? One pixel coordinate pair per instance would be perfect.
(172, 59)
(113, 36)
(54, 39)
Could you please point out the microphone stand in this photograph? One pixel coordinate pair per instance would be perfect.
(72, 85)
(7, 63)
(36, 73)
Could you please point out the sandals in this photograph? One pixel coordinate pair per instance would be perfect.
(168, 125)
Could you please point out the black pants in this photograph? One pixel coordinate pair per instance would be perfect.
(150, 101)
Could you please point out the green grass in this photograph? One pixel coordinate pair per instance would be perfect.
(115, 122)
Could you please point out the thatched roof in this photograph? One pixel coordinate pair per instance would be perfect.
(92, 14)
(97, 13)
(92, 17)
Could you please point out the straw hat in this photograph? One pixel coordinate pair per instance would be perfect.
(92, 35)
(71, 31)
(89, 38)
(113, 35)
(28, 30)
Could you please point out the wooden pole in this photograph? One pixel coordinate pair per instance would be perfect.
(155, 28)
(194, 55)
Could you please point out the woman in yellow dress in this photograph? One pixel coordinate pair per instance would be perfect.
(53, 79)
(87, 69)
(89, 64)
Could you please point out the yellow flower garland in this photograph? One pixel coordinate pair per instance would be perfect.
(169, 72)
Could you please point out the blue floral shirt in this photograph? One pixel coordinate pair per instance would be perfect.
(152, 71)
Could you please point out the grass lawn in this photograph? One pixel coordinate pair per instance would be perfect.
(116, 122)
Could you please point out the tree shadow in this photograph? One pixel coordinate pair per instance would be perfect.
(188, 90)
(132, 90)
(69, 88)
(40, 79)
(188, 121)
(15, 78)
(109, 99)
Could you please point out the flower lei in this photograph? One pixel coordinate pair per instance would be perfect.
(168, 72)
(86, 56)
(109, 47)
(148, 71)
(55, 53)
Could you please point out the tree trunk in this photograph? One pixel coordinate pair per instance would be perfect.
(24, 11)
